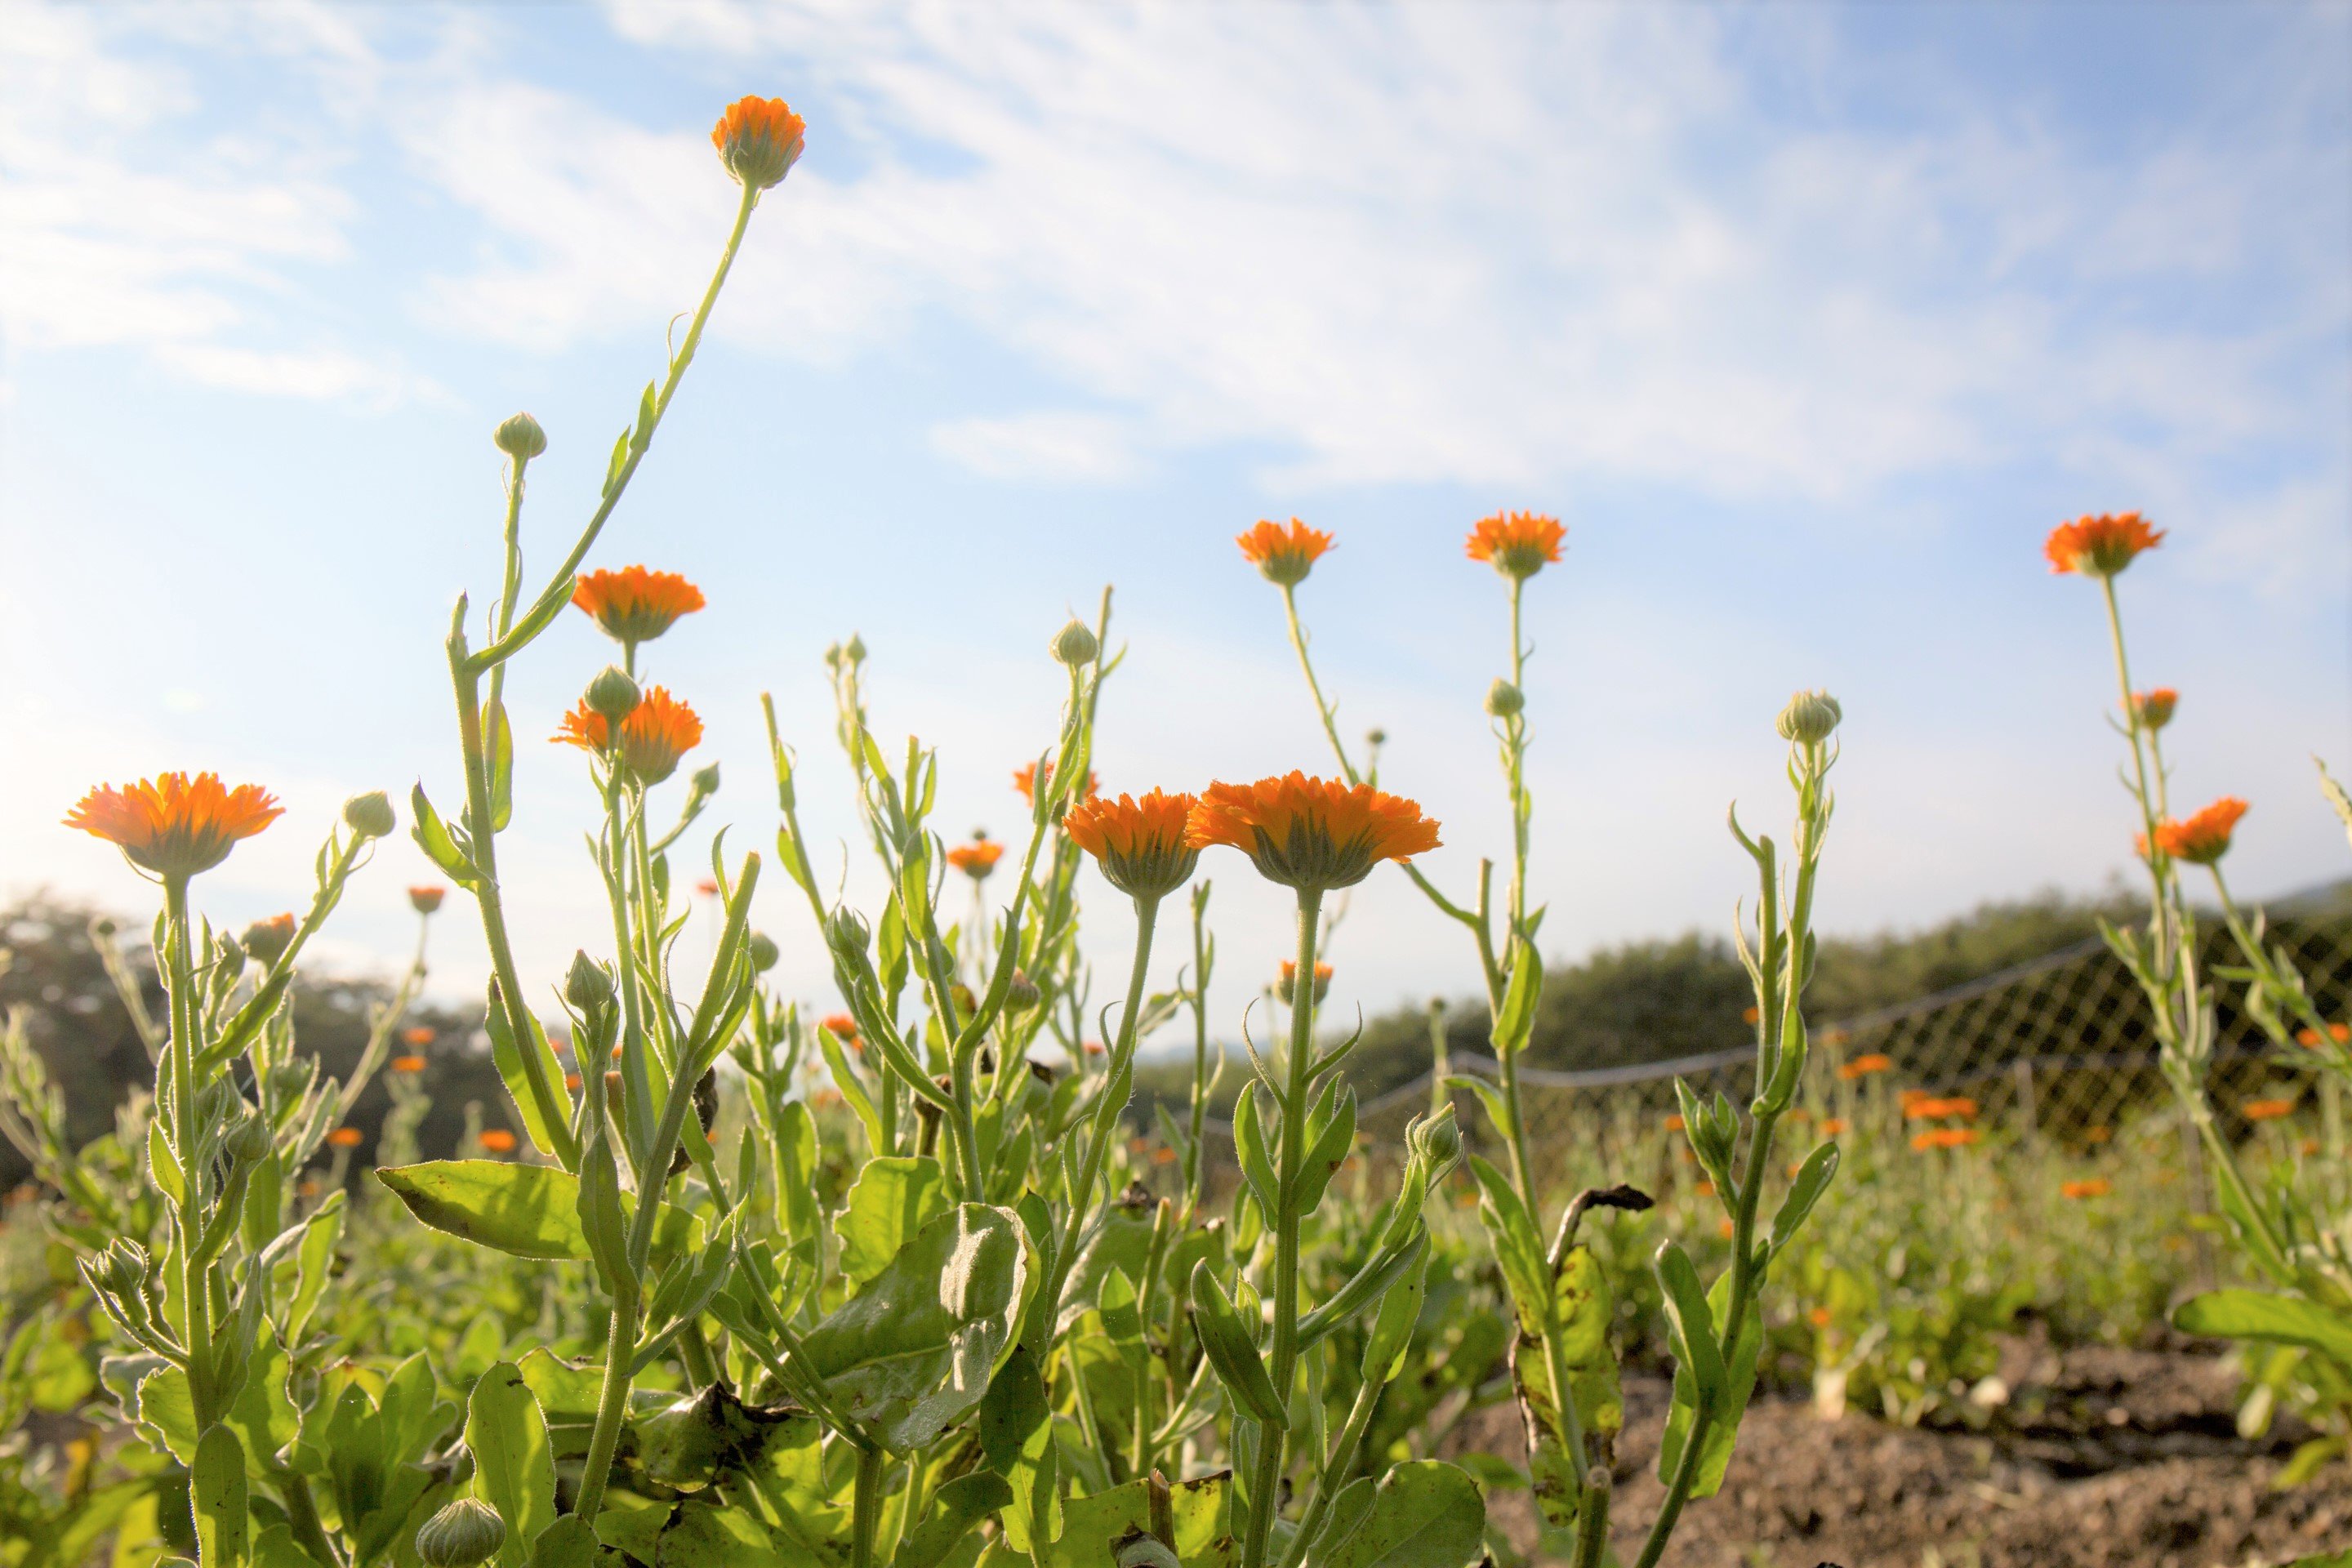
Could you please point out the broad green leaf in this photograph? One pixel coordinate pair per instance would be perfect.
(1515, 1019)
(433, 837)
(1122, 1242)
(273, 1547)
(1201, 1513)
(2255, 1315)
(1519, 1251)
(570, 1542)
(504, 1051)
(1812, 1181)
(1581, 1311)
(567, 1392)
(630, 1523)
(1730, 1402)
(263, 1417)
(216, 1490)
(527, 1211)
(1232, 1348)
(701, 1536)
(1424, 1514)
(796, 1171)
(1331, 1133)
(514, 1470)
(914, 1350)
(956, 1507)
(893, 1197)
(1250, 1143)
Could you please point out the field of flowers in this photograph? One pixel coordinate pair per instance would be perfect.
(717, 1280)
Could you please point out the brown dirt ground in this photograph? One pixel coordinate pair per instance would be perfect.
(2103, 1458)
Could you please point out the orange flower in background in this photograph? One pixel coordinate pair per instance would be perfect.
(408, 1064)
(2098, 1135)
(1290, 981)
(977, 858)
(1283, 553)
(424, 900)
(1749, 1015)
(266, 940)
(1818, 1317)
(2201, 839)
(1093, 1047)
(1833, 1036)
(2100, 546)
(346, 1138)
(634, 604)
(2153, 709)
(759, 141)
(2092, 1187)
(497, 1140)
(1723, 1227)
(1675, 1122)
(2266, 1110)
(2340, 1033)
(1945, 1138)
(174, 824)
(706, 889)
(826, 1099)
(1519, 543)
(1863, 1065)
(657, 733)
(1930, 1108)
(1163, 1157)
(417, 1035)
(1024, 779)
(841, 1026)
(1705, 1189)
(1833, 1125)
(1142, 846)
(571, 1081)
(1309, 832)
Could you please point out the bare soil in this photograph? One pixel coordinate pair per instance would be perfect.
(2101, 1459)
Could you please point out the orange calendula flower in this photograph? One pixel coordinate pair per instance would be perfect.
(571, 1081)
(2091, 1187)
(1930, 1108)
(759, 141)
(175, 825)
(1024, 779)
(1143, 847)
(1833, 1125)
(1093, 1047)
(2201, 839)
(1519, 543)
(1863, 1065)
(408, 1064)
(2266, 1110)
(346, 1138)
(1675, 1122)
(2153, 709)
(1284, 552)
(1311, 834)
(1818, 1317)
(1749, 1015)
(1945, 1138)
(2340, 1033)
(2098, 1135)
(977, 858)
(1163, 1157)
(424, 900)
(635, 605)
(2100, 546)
(1290, 981)
(417, 1035)
(657, 733)
(497, 1140)
(267, 940)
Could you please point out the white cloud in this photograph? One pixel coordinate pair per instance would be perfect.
(1053, 447)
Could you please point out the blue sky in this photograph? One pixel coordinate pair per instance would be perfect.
(1809, 322)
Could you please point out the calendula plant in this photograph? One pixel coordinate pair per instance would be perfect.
(2291, 1226)
(1563, 1367)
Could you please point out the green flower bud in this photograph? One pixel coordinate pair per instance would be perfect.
(703, 783)
(102, 927)
(1437, 1140)
(845, 929)
(462, 1533)
(1809, 717)
(1022, 995)
(520, 438)
(1144, 1551)
(1075, 645)
(763, 952)
(855, 649)
(250, 1144)
(370, 814)
(267, 940)
(586, 986)
(1504, 700)
(123, 1267)
(612, 696)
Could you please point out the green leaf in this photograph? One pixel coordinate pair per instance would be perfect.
(1331, 1138)
(163, 1165)
(1424, 1514)
(1515, 1019)
(914, 1350)
(510, 1062)
(1581, 1311)
(1498, 1110)
(1517, 1249)
(699, 1536)
(1232, 1349)
(1123, 1242)
(525, 1211)
(1812, 1180)
(514, 1470)
(498, 739)
(893, 1197)
(2254, 1315)
(570, 1542)
(1689, 1324)
(1730, 1402)
(216, 1490)
(797, 1209)
(957, 1506)
(1201, 1514)
(433, 837)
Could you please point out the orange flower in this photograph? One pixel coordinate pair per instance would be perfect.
(2203, 838)
(1723, 1227)
(346, 1138)
(1705, 1189)
(634, 604)
(266, 940)
(1833, 1125)
(1093, 1047)
(497, 1140)
(2093, 1188)
(2339, 1033)
(1945, 1138)
(1290, 981)
(1024, 779)
(977, 858)
(408, 1064)
(1283, 554)
(2308, 1146)
(1863, 1065)
(173, 824)
(2101, 545)
(2153, 709)
(658, 730)
(1818, 1317)
(1519, 543)
(841, 1026)
(759, 141)
(2266, 1110)
(424, 900)
(1833, 1036)
(1142, 844)
(826, 1099)
(417, 1035)
(1930, 1108)
(1163, 1157)
(706, 889)
(571, 1083)
(1675, 1122)
(2097, 1134)
(1749, 1015)
(1316, 834)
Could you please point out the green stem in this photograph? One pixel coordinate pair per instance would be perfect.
(1335, 1471)
(866, 1507)
(1593, 1521)
(1195, 1168)
(612, 1401)
(196, 1286)
(302, 1518)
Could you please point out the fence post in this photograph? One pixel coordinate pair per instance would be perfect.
(2020, 1072)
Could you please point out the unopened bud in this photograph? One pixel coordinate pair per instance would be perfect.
(763, 952)
(845, 930)
(1504, 700)
(586, 986)
(1022, 995)
(269, 939)
(1809, 717)
(250, 1144)
(1437, 1138)
(123, 1267)
(1075, 645)
(102, 927)
(854, 651)
(424, 900)
(464, 1532)
(612, 696)
(703, 783)
(370, 814)
(1143, 1551)
(520, 438)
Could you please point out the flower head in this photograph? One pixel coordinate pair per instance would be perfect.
(1284, 552)
(657, 731)
(1519, 543)
(173, 824)
(424, 900)
(1863, 1065)
(2201, 839)
(1833, 1125)
(1945, 1138)
(2340, 1033)
(418, 1036)
(2153, 709)
(1308, 833)
(841, 1026)
(635, 605)
(1142, 846)
(497, 1140)
(2090, 1187)
(2266, 1110)
(408, 1064)
(759, 141)
(977, 858)
(346, 1138)
(2100, 546)
(1024, 779)
(1289, 982)
(266, 938)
